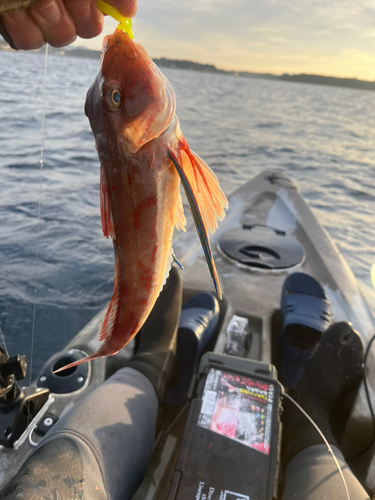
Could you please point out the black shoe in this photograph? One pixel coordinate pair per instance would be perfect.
(306, 314)
(333, 369)
(155, 356)
(198, 322)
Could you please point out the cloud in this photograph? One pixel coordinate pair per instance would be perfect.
(269, 35)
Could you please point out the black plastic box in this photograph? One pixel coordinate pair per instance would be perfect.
(230, 449)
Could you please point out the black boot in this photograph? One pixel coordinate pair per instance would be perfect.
(334, 369)
(155, 356)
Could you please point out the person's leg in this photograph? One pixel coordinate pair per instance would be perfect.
(313, 475)
(116, 422)
(333, 369)
(98, 450)
(109, 434)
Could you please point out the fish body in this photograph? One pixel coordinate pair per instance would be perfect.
(138, 211)
(143, 155)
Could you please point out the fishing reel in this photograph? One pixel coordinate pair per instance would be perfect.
(18, 406)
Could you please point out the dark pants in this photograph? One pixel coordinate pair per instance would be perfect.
(105, 443)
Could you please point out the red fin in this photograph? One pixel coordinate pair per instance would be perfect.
(180, 217)
(109, 321)
(105, 205)
(106, 330)
(98, 354)
(205, 185)
(77, 363)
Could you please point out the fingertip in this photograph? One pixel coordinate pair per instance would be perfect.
(53, 20)
(25, 34)
(127, 8)
(88, 19)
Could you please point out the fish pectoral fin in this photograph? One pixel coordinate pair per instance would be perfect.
(106, 205)
(196, 210)
(205, 185)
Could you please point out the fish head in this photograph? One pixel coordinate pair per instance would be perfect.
(130, 102)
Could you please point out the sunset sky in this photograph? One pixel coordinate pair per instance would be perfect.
(325, 37)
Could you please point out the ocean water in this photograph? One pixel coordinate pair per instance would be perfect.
(322, 137)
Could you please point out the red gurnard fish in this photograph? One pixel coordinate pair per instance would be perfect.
(143, 156)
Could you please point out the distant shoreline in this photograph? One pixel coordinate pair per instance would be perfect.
(163, 62)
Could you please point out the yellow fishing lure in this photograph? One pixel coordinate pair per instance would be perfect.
(125, 23)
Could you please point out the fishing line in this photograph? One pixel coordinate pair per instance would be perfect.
(2, 338)
(39, 208)
(162, 435)
(325, 441)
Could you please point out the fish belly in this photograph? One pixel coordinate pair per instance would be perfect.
(144, 201)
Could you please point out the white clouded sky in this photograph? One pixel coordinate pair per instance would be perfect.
(330, 37)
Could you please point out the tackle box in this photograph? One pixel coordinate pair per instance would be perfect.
(230, 449)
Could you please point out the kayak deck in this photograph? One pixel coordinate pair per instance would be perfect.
(268, 232)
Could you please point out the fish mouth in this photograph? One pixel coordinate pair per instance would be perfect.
(117, 38)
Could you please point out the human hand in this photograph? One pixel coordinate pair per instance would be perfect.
(59, 22)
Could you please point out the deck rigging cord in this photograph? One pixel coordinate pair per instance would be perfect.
(41, 161)
(325, 442)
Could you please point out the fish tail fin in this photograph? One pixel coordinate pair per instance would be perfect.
(206, 200)
(106, 329)
(76, 363)
(110, 322)
(99, 354)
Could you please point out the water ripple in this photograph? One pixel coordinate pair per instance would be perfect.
(322, 137)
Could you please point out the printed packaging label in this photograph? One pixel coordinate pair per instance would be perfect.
(224, 494)
(231, 495)
(238, 407)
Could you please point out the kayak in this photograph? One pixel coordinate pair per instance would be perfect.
(268, 233)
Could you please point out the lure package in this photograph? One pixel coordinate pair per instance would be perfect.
(230, 449)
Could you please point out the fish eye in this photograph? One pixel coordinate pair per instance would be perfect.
(116, 98)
